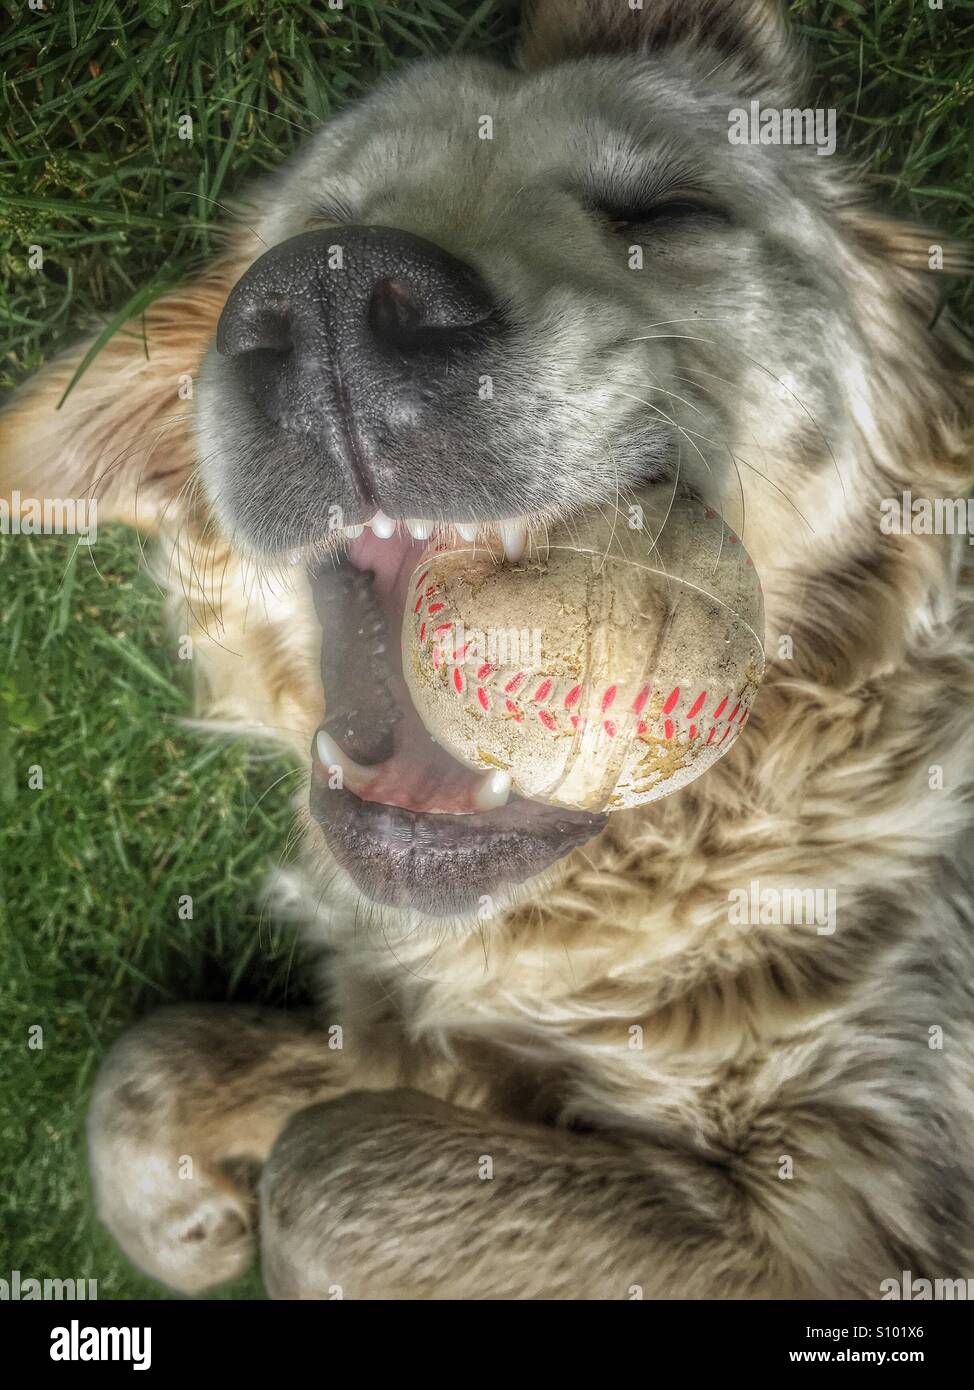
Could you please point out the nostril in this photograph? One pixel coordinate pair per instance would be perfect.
(395, 313)
(427, 318)
(255, 324)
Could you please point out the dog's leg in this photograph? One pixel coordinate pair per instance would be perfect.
(391, 1194)
(186, 1108)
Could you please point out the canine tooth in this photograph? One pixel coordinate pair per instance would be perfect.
(514, 537)
(419, 530)
(353, 532)
(467, 532)
(382, 526)
(330, 755)
(494, 791)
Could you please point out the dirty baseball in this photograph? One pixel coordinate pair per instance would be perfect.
(613, 663)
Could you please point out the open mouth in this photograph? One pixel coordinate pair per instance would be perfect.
(411, 825)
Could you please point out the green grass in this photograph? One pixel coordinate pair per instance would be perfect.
(136, 809)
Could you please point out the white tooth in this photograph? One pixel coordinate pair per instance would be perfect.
(353, 532)
(493, 791)
(468, 533)
(419, 530)
(382, 526)
(514, 537)
(330, 755)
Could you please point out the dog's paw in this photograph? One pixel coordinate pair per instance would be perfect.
(182, 1213)
(190, 1240)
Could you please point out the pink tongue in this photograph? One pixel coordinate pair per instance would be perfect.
(420, 776)
(391, 562)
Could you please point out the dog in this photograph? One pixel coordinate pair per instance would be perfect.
(611, 1086)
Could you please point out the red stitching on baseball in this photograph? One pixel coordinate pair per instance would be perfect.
(572, 698)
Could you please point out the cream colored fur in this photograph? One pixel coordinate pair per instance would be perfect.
(673, 1104)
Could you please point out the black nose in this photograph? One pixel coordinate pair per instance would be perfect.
(348, 332)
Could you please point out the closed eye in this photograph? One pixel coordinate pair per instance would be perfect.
(660, 214)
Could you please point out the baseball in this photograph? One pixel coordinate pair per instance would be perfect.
(612, 664)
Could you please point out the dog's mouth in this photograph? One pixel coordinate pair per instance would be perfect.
(411, 825)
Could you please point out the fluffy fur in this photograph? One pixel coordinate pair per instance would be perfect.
(637, 1069)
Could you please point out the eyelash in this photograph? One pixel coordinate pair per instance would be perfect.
(664, 211)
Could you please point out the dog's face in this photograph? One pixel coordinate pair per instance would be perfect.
(488, 299)
(491, 295)
(483, 299)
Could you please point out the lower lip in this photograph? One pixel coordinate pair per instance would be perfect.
(441, 865)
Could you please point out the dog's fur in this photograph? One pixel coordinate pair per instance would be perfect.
(668, 1102)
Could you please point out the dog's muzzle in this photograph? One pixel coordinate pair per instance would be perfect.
(342, 335)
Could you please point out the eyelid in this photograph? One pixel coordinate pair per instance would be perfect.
(694, 203)
(648, 194)
(676, 202)
(686, 195)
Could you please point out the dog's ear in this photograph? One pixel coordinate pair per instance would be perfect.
(751, 34)
(122, 435)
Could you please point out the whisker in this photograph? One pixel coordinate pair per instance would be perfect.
(231, 101)
(686, 435)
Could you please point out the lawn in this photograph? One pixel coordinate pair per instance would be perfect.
(137, 809)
